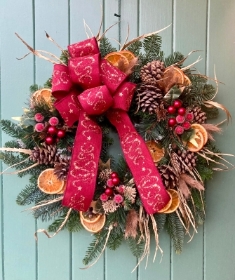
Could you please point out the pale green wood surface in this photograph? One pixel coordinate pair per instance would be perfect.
(196, 25)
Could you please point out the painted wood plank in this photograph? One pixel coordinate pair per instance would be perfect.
(54, 255)
(188, 37)
(219, 244)
(16, 76)
(153, 16)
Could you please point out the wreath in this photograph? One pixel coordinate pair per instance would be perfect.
(154, 107)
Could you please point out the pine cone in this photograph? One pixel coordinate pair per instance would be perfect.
(199, 115)
(149, 97)
(152, 72)
(187, 160)
(61, 168)
(104, 175)
(45, 154)
(169, 176)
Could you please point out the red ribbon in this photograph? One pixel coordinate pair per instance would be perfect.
(88, 87)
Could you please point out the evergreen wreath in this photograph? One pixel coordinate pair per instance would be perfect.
(169, 105)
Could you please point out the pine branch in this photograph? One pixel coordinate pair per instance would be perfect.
(136, 246)
(160, 220)
(176, 231)
(106, 47)
(211, 112)
(173, 58)
(115, 238)
(11, 129)
(135, 48)
(31, 193)
(49, 211)
(152, 47)
(33, 88)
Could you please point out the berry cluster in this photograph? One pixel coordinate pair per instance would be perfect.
(180, 119)
(53, 133)
(113, 189)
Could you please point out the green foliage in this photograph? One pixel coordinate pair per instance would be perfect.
(136, 246)
(64, 57)
(211, 112)
(49, 211)
(12, 129)
(198, 205)
(160, 220)
(135, 48)
(31, 193)
(48, 83)
(173, 58)
(106, 47)
(33, 88)
(176, 231)
(73, 223)
(152, 48)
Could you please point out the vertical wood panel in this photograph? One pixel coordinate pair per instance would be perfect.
(16, 76)
(190, 19)
(220, 226)
(53, 254)
(154, 15)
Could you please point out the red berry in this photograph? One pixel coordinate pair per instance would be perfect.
(177, 103)
(61, 133)
(179, 130)
(116, 181)
(180, 119)
(171, 109)
(186, 125)
(39, 127)
(108, 191)
(52, 130)
(49, 140)
(172, 122)
(189, 117)
(39, 117)
(181, 111)
(53, 121)
(113, 175)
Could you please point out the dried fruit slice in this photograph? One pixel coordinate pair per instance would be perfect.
(43, 95)
(49, 183)
(90, 216)
(199, 139)
(174, 203)
(155, 150)
(115, 58)
(129, 55)
(167, 205)
(197, 127)
(96, 226)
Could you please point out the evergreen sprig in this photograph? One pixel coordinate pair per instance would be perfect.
(176, 231)
(106, 47)
(31, 193)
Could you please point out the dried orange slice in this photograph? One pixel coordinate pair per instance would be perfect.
(167, 206)
(90, 216)
(129, 55)
(49, 183)
(175, 202)
(96, 226)
(197, 127)
(199, 139)
(43, 95)
(115, 58)
(155, 150)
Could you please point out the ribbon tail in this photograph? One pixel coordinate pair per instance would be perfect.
(81, 180)
(147, 178)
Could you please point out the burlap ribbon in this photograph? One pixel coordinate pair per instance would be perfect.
(89, 87)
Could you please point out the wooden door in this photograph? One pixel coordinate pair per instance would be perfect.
(202, 25)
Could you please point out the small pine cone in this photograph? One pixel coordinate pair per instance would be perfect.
(45, 154)
(104, 175)
(169, 176)
(198, 115)
(61, 168)
(148, 98)
(187, 160)
(152, 72)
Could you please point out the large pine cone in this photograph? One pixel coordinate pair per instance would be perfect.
(169, 177)
(45, 154)
(199, 115)
(187, 160)
(152, 72)
(61, 168)
(149, 97)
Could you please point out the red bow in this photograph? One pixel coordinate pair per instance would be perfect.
(88, 87)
